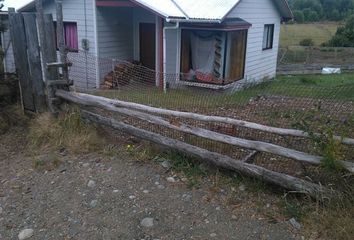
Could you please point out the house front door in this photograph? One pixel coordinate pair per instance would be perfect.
(147, 44)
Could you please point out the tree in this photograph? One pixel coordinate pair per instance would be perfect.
(344, 36)
(299, 16)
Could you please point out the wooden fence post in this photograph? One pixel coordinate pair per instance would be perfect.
(61, 41)
(35, 62)
(18, 38)
(46, 43)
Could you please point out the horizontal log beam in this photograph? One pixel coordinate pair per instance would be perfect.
(205, 118)
(200, 132)
(283, 180)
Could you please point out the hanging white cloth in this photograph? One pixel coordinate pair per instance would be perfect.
(203, 53)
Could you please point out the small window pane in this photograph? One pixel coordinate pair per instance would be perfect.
(268, 36)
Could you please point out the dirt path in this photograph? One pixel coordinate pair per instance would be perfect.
(97, 197)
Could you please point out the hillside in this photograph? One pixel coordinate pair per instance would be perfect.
(319, 32)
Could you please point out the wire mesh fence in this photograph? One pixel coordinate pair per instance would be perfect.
(300, 59)
(321, 105)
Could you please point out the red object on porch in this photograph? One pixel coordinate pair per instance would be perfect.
(114, 4)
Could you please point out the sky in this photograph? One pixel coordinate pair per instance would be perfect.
(14, 3)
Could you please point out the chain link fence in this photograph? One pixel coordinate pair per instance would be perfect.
(310, 60)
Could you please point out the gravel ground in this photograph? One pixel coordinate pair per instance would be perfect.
(97, 197)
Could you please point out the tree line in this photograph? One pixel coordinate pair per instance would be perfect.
(319, 10)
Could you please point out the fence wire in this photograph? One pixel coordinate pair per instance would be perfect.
(322, 104)
(300, 59)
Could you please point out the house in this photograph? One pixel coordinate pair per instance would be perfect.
(6, 47)
(212, 43)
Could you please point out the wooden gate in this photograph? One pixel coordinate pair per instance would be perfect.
(24, 36)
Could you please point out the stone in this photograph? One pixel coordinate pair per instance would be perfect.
(186, 197)
(131, 197)
(161, 186)
(116, 191)
(295, 223)
(166, 164)
(146, 191)
(86, 165)
(91, 184)
(25, 234)
(171, 179)
(147, 222)
(93, 203)
(213, 235)
(242, 187)
(1, 210)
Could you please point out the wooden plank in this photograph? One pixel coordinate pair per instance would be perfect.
(61, 40)
(18, 37)
(200, 132)
(50, 47)
(58, 65)
(283, 180)
(34, 61)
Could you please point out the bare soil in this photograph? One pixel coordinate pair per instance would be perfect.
(50, 193)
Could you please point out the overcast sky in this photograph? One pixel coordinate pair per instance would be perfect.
(15, 3)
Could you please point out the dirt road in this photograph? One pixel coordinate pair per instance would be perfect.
(97, 197)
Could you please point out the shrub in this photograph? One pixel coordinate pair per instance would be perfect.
(344, 36)
(307, 42)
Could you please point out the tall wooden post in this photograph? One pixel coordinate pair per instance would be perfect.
(61, 40)
(44, 56)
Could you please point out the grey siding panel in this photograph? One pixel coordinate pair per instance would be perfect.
(171, 51)
(115, 36)
(259, 64)
(83, 71)
(9, 60)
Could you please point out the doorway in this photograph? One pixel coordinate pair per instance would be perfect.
(147, 39)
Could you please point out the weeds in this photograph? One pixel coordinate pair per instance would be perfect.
(67, 131)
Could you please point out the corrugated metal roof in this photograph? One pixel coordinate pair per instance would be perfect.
(191, 9)
(215, 10)
(166, 8)
(210, 9)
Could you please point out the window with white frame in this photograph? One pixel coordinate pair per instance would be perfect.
(268, 36)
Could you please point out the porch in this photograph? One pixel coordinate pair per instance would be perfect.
(127, 39)
(207, 55)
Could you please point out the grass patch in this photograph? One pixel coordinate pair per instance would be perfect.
(67, 131)
(190, 167)
(319, 32)
(334, 87)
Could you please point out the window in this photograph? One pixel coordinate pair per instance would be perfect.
(216, 57)
(70, 36)
(268, 36)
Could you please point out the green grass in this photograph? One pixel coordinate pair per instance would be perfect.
(335, 87)
(319, 32)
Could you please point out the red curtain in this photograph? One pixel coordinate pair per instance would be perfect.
(71, 38)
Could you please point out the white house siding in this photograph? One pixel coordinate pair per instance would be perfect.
(172, 53)
(9, 60)
(83, 71)
(260, 64)
(115, 36)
